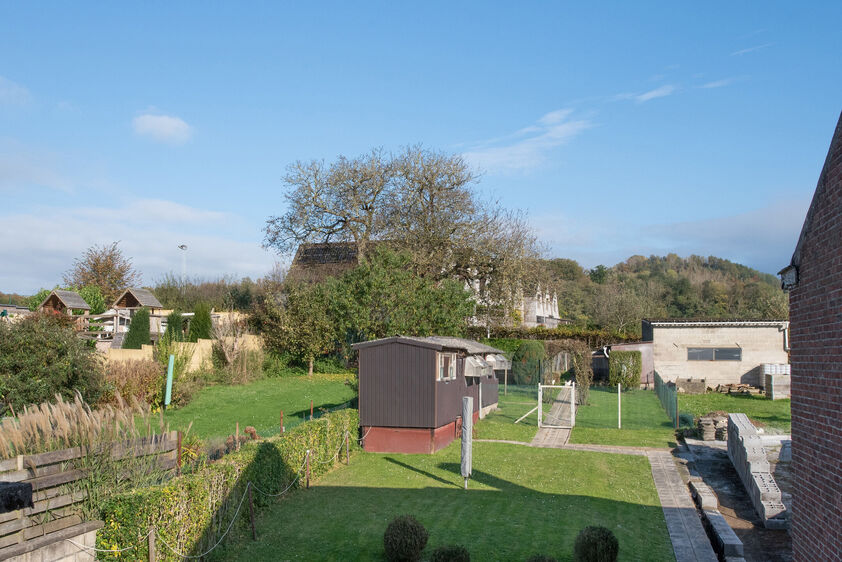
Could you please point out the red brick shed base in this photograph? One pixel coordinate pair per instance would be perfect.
(411, 439)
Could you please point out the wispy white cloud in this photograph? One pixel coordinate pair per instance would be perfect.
(660, 92)
(149, 231)
(751, 49)
(12, 93)
(25, 168)
(718, 83)
(162, 128)
(530, 146)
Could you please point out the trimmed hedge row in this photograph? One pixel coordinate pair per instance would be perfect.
(625, 367)
(594, 338)
(192, 511)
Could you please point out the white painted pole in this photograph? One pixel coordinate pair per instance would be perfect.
(619, 412)
(573, 405)
(540, 402)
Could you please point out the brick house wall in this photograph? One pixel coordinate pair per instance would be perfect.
(814, 280)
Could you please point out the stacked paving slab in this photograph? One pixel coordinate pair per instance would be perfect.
(749, 459)
(712, 428)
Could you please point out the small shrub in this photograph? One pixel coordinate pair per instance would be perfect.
(451, 553)
(526, 362)
(142, 380)
(41, 356)
(595, 544)
(624, 368)
(138, 334)
(404, 539)
(541, 558)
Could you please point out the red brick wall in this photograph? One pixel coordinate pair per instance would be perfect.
(816, 342)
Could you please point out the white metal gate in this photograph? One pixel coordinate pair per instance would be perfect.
(557, 405)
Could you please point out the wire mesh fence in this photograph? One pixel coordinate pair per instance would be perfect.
(668, 396)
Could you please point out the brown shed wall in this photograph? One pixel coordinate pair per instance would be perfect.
(397, 386)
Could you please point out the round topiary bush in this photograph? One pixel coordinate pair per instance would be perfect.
(596, 544)
(540, 558)
(526, 362)
(451, 553)
(404, 539)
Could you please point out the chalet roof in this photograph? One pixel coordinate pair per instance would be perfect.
(834, 157)
(69, 299)
(317, 262)
(434, 342)
(144, 297)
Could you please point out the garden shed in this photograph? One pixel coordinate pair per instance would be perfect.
(411, 390)
(133, 299)
(64, 302)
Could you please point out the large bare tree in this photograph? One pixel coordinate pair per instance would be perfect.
(105, 267)
(343, 201)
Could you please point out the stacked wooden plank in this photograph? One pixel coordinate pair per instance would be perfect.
(55, 515)
(748, 456)
(738, 388)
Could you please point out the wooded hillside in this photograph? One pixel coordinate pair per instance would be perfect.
(663, 287)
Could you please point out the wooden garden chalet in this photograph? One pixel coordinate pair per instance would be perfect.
(64, 302)
(411, 389)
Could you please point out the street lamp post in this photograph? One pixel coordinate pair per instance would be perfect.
(183, 248)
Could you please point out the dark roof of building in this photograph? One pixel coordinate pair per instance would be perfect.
(143, 296)
(68, 299)
(438, 343)
(317, 262)
(834, 154)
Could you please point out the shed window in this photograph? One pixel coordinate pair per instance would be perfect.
(447, 366)
(714, 354)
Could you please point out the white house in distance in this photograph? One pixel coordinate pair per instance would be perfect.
(720, 352)
(540, 309)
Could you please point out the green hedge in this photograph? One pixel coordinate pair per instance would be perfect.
(192, 511)
(624, 368)
(594, 338)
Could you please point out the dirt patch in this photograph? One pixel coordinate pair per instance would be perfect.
(710, 460)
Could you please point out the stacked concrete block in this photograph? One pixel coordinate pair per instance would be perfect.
(747, 454)
(778, 386)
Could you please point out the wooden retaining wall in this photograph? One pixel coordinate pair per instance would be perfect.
(55, 514)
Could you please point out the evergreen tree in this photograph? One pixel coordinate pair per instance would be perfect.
(200, 325)
(175, 326)
(138, 334)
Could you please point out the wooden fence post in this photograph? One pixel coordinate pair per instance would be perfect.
(151, 537)
(237, 437)
(178, 457)
(282, 422)
(251, 517)
(308, 468)
(347, 449)
(311, 410)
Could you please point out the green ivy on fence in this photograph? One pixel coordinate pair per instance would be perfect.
(191, 513)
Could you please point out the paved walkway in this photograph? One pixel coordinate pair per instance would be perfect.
(689, 540)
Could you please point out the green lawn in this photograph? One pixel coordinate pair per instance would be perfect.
(215, 410)
(521, 501)
(775, 414)
(645, 424)
(500, 423)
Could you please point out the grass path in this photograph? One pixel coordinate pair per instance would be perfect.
(215, 410)
(775, 414)
(644, 423)
(521, 501)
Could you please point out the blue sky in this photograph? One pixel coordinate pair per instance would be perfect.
(621, 128)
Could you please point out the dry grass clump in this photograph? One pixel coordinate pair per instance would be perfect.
(142, 380)
(65, 424)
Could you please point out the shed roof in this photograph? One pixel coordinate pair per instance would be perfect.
(69, 299)
(434, 342)
(702, 323)
(144, 297)
(317, 262)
